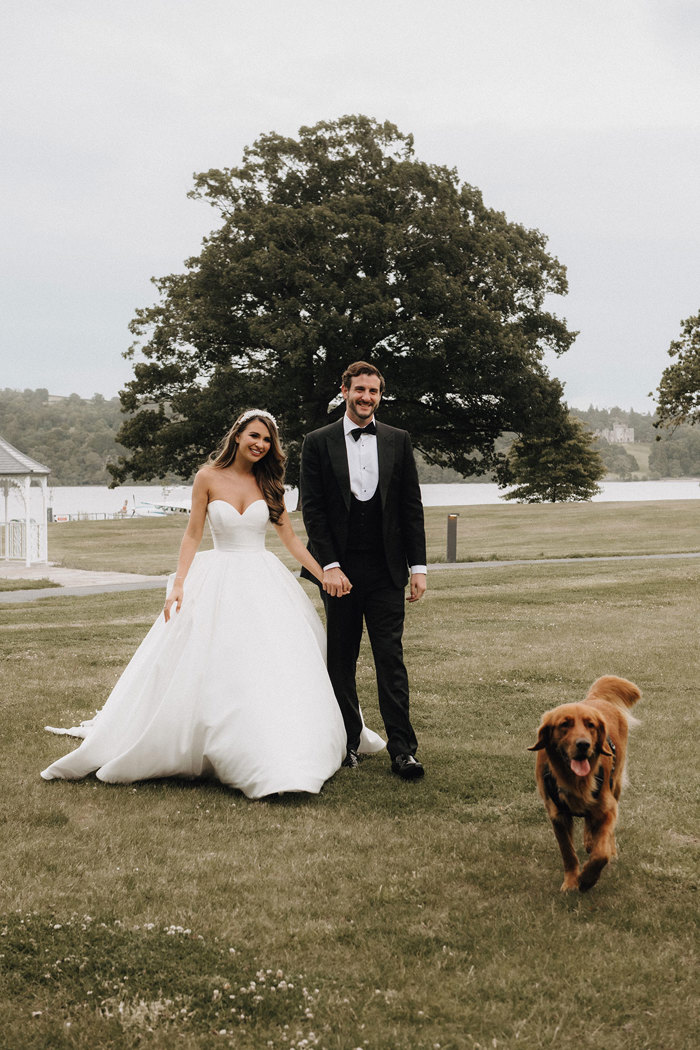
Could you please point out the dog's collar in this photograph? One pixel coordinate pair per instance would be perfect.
(550, 783)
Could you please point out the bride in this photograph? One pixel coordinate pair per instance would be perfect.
(231, 680)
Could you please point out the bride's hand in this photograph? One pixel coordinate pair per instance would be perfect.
(174, 598)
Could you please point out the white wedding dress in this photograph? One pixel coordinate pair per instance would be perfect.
(234, 686)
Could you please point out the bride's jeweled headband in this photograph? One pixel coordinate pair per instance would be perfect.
(254, 413)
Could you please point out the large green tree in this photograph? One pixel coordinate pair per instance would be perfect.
(556, 465)
(331, 247)
(679, 390)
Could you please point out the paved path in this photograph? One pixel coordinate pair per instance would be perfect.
(73, 582)
(78, 582)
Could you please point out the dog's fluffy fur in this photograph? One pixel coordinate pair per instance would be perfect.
(573, 744)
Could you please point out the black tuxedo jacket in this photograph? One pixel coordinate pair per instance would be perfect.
(325, 498)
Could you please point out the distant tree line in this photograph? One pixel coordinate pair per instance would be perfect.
(76, 438)
(73, 436)
(676, 455)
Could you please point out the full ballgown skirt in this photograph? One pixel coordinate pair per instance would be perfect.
(234, 686)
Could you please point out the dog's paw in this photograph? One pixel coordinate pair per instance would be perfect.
(591, 873)
(570, 882)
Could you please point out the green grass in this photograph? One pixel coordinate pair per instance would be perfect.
(565, 530)
(378, 914)
(25, 585)
(484, 533)
(145, 545)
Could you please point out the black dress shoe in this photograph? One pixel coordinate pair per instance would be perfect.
(407, 767)
(351, 760)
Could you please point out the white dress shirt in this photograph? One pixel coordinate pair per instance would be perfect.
(363, 465)
(363, 461)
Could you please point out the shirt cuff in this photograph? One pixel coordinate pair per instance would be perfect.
(331, 565)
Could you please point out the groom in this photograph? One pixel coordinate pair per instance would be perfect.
(364, 518)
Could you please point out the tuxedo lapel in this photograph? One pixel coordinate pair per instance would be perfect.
(339, 459)
(386, 455)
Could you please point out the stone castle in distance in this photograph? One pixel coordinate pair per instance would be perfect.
(617, 434)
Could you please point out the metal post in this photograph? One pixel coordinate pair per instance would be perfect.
(452, 537)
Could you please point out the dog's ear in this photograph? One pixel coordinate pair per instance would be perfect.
(543, 736)
(602, 731)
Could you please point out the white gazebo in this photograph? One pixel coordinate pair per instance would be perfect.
(22, 537)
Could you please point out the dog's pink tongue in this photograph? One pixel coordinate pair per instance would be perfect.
(581, 768)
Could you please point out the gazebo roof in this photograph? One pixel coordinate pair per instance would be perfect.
(14, 462)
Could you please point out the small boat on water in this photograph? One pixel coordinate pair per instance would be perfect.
(142, 509)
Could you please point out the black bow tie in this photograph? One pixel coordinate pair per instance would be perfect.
(371, 428)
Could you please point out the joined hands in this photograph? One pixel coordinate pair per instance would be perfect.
(335, 583)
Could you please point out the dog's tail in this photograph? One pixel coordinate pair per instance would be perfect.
(617, 691)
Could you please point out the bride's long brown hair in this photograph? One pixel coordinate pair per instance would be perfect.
(269, 471)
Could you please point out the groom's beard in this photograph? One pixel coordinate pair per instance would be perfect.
(361, 412)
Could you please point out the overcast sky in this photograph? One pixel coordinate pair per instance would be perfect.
(578, 117)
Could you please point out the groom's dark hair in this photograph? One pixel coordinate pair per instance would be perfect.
(358, 368)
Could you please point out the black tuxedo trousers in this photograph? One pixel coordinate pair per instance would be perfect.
(376, 601)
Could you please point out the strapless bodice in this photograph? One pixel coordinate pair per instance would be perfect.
(232, 531)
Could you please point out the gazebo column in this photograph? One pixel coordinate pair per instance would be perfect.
(6, 522)
(28, 521)
(43, 525)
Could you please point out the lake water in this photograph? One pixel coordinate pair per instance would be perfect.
(96, 500)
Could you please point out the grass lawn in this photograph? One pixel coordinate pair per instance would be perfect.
(566, 530)
(501, 532)
(379, 914)
(25, 585)
(145, 545)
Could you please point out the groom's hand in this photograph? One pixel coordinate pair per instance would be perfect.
(335, 583)
(419, 582)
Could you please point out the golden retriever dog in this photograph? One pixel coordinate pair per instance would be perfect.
(580, 772)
